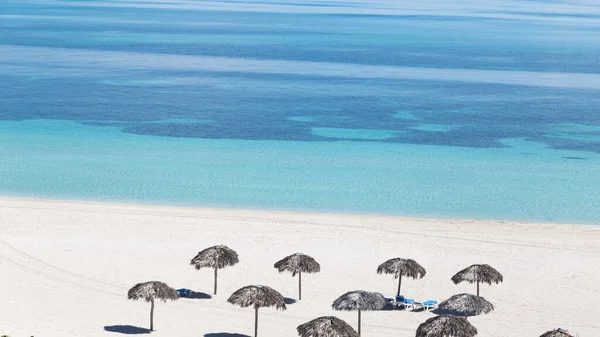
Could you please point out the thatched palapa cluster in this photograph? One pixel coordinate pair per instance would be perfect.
(447, 324)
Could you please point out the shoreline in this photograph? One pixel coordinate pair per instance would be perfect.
(469, 183)
(188, 208)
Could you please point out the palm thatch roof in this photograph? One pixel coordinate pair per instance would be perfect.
(557, 333)
(359, 300)
(149, 291)
(326, 326)
(219, 256)
(298, 263)
(402, 267)
(465, 305)
(446, 326)
(258, 297)
(482, 273)
(380, 297)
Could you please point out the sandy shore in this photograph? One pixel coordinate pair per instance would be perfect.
(66, 268)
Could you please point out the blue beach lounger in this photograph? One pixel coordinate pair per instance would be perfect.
(390, 302)
(405, 302)
(430, 304)
(427, 305)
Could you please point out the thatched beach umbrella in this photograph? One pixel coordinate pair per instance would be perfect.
(148, 291)
(216, 257)
(326, 326)
(465, 305)
(297, 264)
(257, 297)
(557, 333)
(446, 326)
(359, 300)
(478, 273)
(401, 267)
(380, 298)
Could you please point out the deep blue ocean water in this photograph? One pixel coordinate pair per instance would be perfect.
(472, 109)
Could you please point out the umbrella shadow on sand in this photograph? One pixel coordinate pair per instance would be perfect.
(391, 307)
(224, 334)
(126, 329)
(196, 295)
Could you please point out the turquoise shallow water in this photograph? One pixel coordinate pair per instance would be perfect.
(526, 181)
(463, 109)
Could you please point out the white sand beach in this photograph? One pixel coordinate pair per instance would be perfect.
(65, 268)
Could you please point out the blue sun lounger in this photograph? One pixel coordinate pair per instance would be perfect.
(404, 302)
(430, 304)
(426, 305)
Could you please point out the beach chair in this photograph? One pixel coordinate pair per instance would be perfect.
(390, 302)
(402, 301)
(430, 304)
(417, 305)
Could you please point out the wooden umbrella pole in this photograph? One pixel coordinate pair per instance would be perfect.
(152, 315)
(358, 323)
(216, 272)
(256, 322)
(299, 285)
